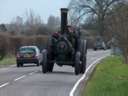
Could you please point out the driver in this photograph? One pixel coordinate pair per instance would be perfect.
(71, 35)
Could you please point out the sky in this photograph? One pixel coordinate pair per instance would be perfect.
(9, 9)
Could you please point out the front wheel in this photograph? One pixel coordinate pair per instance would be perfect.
(50, 67)
(37, 64)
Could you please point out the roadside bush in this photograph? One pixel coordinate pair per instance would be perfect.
(3, 44)
(10, 44)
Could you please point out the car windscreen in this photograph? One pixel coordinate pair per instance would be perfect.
(27, 50)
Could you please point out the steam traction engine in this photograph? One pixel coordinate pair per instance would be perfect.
(65, 48)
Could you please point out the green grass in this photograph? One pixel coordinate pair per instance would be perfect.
(109, 79)
(9, 60)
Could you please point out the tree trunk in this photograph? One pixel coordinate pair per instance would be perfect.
(101, 25)
(126, 59)
(125, 54)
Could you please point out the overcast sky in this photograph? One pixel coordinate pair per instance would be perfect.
(12, 8)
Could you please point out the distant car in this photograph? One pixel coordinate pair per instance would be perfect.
(99, 45)
(28, 54)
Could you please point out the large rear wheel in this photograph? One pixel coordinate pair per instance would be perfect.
(44, 62)
(83, 56)
(83, 64)
(77, 63)
(50, 56)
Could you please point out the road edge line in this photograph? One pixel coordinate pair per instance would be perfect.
(84, 75)
(5, 84)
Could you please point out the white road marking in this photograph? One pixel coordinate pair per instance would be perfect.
(31, 73)
(3, 85)
(19, 78)
(35, 71)
(24, 76)
(83, 76)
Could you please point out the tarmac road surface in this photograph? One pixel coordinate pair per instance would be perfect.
(30, 81)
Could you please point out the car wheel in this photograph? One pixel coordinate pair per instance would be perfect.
(18, 64)
(95, 49)
(21, 64)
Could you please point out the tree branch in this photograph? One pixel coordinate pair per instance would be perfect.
(109, 4)
(89, 7)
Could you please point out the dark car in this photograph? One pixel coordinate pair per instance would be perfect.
(99, 45)
(28, 54)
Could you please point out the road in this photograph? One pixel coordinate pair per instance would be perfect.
(29, 80)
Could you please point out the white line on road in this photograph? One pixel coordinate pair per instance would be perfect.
(31, 73)
(83, 76)
(3, 85)
(19, 78)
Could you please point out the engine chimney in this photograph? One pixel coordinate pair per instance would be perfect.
(64, 17)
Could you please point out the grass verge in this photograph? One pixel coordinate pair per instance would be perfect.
(9, 60)
(109, 79)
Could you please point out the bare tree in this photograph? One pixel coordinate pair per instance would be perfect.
(33, 23)
(16, 25)
(2, 46)
(117, 24)
(3, 28)
(53, 23)
(97, 8)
